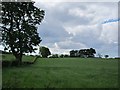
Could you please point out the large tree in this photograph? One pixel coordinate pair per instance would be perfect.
(19, 30)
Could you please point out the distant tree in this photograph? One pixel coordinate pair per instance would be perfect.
(106, 56)
(19, 31)
(83, 53)
(87, 52)
(61, 56)
(53, 56)
(66, 55)
(91, 52)
(74, 53)
(44, 51)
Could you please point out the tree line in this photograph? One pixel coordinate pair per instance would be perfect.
(83, 53)
(86, 53)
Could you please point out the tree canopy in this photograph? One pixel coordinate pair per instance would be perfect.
(44, 51)
(83, 53)
(106, 56)
(19, 30)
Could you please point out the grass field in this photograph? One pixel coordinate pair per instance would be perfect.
(10, 57)
(63, 73)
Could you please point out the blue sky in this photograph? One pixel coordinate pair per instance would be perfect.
(77, 25)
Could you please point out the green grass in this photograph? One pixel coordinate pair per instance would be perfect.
(63, 73)
(10, 57)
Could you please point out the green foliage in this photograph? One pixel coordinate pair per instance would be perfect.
(44, 51)
(63, 73)
(61, 56)
(66, 55)
(83, 53)
(19, 31)
(54, 56)
(106, 56)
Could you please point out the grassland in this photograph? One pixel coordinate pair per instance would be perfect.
(63, 73)
(10, 57)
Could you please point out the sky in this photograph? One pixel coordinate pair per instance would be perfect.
(78, 25)
(69, 25)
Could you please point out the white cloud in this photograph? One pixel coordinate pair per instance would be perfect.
(47, 3)
(65, 47)
(80, 13)
(59, 51)
(109, 33)
(84, 30)
(103, 11)
(68, 44)
(56, 46)
(97, 12)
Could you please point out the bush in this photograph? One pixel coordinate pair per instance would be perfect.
(61, 56)
(66, 55)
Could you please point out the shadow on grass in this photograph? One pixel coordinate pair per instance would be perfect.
(15, 63)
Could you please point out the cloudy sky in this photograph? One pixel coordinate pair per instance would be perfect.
(77, 25)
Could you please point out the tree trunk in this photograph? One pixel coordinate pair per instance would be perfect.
(18, 59)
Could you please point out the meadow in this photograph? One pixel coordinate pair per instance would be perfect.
(62, 73)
